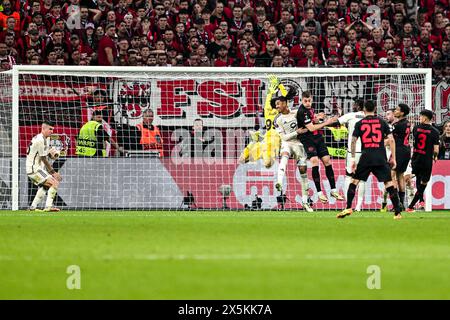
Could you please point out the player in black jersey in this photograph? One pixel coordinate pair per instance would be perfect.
(401, 132)
(425, 150)
(314, 144)
(372, 131)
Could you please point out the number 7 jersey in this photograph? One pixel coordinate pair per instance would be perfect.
(372, 131)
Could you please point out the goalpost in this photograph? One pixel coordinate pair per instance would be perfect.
(204, 116)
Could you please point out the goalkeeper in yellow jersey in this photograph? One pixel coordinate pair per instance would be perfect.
(269, 147)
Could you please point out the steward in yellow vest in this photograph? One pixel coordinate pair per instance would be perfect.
(91, 141)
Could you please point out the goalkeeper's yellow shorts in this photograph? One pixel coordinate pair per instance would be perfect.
(271, 147)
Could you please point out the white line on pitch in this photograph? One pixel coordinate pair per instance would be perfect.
(232, 257)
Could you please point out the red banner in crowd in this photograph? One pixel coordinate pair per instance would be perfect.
(40, 89)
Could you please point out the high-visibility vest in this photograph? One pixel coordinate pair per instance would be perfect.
(151, 139)
(339, 133)
(4, 18)
(87, 140)
(337, 152)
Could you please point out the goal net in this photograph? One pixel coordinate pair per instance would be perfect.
(5, 140)
(197, 123)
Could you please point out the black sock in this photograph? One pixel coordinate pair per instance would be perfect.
(350, 195)
(393, 195)
(401, 194)
(316, 178)
(330, 175)
(419, 195)
(418, 184)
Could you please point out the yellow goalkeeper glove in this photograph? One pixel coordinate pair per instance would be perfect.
(255, 135)
(273, 83)
(282, 90)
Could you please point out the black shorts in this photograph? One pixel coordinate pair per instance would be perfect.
(381, 172)
(422, 170)
(315, 147)
(402, 159)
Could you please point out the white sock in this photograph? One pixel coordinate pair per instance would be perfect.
(347, 182)
(319, 193)
(410, 193)
(282, 169)
(305, 186)
(40, 194)
(50, 197)
(333, 190)
(361, 191)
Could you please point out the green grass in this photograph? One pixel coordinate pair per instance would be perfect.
(223, 255)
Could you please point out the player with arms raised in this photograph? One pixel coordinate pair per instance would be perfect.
(372, 131)
(270, 146)
(39, 169)
(425, 150)
(314, 144)
(286, 125)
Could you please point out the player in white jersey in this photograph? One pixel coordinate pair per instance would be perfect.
(350, 119)
(285, 123)
(39, 169)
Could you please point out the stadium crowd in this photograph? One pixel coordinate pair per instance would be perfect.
(247, 33)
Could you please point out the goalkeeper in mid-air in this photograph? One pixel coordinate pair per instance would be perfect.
(269, 147)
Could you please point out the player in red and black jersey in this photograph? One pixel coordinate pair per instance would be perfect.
(372, 131)
(425, 150)
(314, 144)
(401, 132)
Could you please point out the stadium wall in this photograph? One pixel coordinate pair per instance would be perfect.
(136, 184)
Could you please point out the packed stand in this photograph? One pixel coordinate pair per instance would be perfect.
(246, 33)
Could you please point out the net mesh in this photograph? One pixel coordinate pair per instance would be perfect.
(188, 155)
(5, 139)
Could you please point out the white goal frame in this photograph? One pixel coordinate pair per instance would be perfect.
(192, 71)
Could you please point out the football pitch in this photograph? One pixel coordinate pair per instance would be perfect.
(223, 255)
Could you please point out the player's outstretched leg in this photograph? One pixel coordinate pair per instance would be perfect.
(384, 203)
(350, 196)
(53, 184)
(410, 192)
(361, 191)
(347, 181)
(419, 194)
(272, 143)
(50, 198)
(393, 194)
(330, 176)
(316, 178)
(40, 194)
(305, 186)
(281, 171)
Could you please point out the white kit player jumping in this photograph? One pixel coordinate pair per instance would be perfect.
(285, 123)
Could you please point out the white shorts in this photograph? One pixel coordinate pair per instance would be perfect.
(39, 177)
(295, 150)
(348, 165)
(388, 154)
(408, 169)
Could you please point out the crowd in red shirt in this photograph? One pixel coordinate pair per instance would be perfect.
(246, 33)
